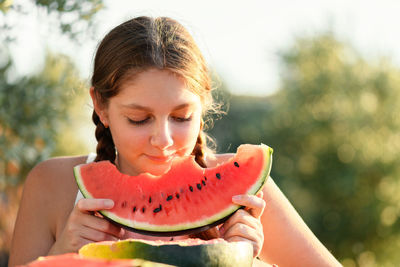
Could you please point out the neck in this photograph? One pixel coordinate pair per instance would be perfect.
(123, 167)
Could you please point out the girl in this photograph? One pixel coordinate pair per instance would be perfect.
(150, 91)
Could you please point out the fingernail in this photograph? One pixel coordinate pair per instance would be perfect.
(221, 230)
(122, 233)
(108, 203)
(236, 198)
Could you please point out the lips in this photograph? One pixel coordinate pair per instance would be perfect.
(160, 159)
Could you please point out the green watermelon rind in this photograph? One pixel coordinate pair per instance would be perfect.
(190, 225)
(79, 181)
(218, 253)
(74, 259)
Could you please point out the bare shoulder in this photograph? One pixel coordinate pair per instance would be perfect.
(213, 160)
(54, 172)
(52, 181)
(47, 199)
(57, 165)
(50, 185)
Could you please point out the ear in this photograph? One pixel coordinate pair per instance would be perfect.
(99, 107)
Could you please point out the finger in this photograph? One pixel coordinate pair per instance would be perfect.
(102, 225)
(76, 243)
(95, 236)
(237, 239)
(86, 205)
(244, 231)
(255, 205)
(256, 249)
(249, 201)
(241, 216)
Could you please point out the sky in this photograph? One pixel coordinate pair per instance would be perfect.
(239, 40)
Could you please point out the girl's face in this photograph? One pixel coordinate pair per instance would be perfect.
(153, 119)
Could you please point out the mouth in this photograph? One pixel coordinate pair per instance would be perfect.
(160, 159)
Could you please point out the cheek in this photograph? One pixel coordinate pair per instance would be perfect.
(126, 137)
(186, 136)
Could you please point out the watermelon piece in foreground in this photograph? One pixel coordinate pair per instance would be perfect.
(183, 253)
(74, 259)
(186, 199)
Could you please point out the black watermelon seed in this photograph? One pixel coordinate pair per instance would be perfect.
(143, 209)
(157, 209)
(134, 209)
(169, 198)
(203, 182)
(236, 164)
(199, 186)
(190, 188)
(149, 199)
(218, 175)
(205, 178)
(172, 239)
(177, 195)
(123, 204)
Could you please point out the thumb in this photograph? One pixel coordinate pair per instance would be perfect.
(87, 205)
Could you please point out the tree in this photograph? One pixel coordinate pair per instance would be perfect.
(31, 111)
(73, 18)
(334, 127)
(34, 107)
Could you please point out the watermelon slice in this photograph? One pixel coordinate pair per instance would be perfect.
(74, 259)
(186, 199)
(188, 252)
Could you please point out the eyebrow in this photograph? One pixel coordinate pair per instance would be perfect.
(137, 106)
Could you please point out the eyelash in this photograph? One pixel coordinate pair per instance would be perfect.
(138, 122)
(177, 119)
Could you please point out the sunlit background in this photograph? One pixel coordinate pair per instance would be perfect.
(316, 80)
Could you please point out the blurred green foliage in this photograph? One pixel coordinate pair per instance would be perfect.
(31, 111)
(35, 108)
(5, 5)
(335, 130)
(73, 18)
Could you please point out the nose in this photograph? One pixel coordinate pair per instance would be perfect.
(162, 136)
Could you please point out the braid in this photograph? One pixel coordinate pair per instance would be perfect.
(105, 145)
(198, 153)
(198, 150)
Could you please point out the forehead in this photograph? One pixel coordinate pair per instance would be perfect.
(156, 88)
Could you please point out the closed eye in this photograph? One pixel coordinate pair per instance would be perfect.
(138, 122)
(182, 119)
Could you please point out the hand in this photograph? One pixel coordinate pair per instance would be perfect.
(245, 224)
(83, 227)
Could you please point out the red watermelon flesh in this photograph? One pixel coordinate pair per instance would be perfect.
(186, 197)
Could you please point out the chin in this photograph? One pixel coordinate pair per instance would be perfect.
(157, 173)
(158, 170)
